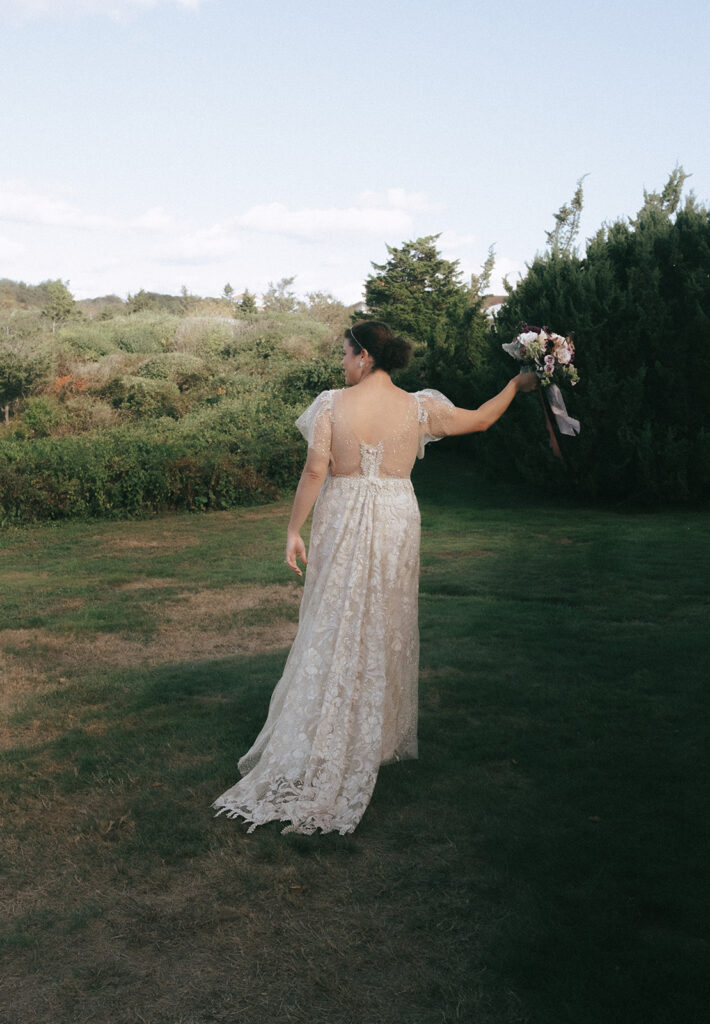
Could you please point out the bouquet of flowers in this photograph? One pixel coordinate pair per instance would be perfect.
(548, 355)
(551, 357)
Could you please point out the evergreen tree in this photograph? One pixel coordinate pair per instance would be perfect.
(420, 294)
(480, 283)
(416, 292)
(247, 303)
(639, 304)
(561, 241)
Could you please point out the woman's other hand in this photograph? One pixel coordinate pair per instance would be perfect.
(295, 549)
(526, 381)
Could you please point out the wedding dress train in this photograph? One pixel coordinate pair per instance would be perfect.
(347, 700)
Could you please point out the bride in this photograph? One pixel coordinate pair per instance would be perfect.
(347, 700)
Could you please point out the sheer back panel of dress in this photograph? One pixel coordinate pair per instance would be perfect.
(366, 437)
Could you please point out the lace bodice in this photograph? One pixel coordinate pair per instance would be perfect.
(382, 445)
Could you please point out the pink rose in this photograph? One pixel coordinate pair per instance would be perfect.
(549, 364)
(564, 356)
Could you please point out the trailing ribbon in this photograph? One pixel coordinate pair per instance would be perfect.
(557, 419)
(549, 421)
(565, 423)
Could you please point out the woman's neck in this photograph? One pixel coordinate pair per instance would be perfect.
(375, 379)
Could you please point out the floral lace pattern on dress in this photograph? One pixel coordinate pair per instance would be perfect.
(347, 700)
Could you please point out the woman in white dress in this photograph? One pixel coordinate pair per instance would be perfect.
(347, 700)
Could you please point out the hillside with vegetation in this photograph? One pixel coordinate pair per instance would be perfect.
(116, 410)
(113, 407)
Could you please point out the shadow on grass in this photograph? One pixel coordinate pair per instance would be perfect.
(540, 863)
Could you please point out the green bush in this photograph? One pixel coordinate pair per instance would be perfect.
(240, 452)
(143, 397)
(267, 343)
(257, 428)
(300, 384)
(183, 369)
(41, 415)
(139, 332)
(205, 336)
(21, 325)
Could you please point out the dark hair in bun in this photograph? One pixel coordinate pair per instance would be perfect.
(387, 350)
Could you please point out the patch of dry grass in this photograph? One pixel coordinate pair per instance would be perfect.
(527, 870)
(126, 901)
(191, 626)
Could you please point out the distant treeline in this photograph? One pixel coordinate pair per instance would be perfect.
(125, 407)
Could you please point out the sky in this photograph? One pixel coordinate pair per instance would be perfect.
(162, 144)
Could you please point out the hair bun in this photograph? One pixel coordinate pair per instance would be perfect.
(395, 353)
(389, 352)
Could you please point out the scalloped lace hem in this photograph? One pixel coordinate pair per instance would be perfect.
(307, 826)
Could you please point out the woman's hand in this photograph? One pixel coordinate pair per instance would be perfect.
(526, 381)
(295, 548)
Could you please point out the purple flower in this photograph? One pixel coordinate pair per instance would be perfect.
(549, 364)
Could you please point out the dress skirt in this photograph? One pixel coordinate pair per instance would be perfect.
(347, 700)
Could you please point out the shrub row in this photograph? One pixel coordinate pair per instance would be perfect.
(240, 453)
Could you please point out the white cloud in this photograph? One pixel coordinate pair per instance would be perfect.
(115, 9)
(313, 224)
(48, 233)
(20, 202)
(513, 270)
(372, 215)
(397, 199)
(452, 239)
(155, 219)
(469, 250)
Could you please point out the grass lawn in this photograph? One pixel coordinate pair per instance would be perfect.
(544, 860)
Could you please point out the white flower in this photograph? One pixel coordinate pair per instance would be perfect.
(526, 338)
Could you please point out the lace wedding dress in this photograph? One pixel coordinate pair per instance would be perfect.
(347, 700)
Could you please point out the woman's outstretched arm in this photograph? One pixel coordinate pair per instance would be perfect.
(468, 421)
(312, 477)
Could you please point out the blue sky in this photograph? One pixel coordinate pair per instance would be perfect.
(161, 143)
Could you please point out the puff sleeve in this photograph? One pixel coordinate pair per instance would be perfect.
(316, 423)
(435, 415)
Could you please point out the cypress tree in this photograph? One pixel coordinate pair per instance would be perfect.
(639, 305)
